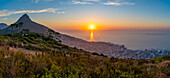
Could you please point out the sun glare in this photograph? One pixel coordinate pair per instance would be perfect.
(91, 27)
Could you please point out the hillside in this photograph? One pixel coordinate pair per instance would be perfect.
(28, 54)
(108, 49)
(3, 25)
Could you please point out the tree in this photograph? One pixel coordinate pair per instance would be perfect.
(20, 25)
(12, 26)
(25, 30)
(16, 25)
(50, 33)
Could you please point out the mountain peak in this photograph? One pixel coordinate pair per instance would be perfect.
(25, 15)
(24, 18)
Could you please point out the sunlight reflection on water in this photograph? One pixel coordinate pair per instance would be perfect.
(91, 36)
(131, 39)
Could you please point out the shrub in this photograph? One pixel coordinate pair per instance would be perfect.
(167, 57)
(10, 35)
(32, 38)
(29, 47)
(47, 38)
(55, 46)
(65, 46)
(95, 53)
(159, 59)
(101, 54)
(137, 70)
(27, 39)
(33, 35)
(45, 47)
(58, 43)
(50, 42)
(25, 30)
(37, 40)
(1, 37)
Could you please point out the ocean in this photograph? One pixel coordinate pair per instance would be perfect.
(135, 40)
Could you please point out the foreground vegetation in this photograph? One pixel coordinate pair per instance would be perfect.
(53, 59)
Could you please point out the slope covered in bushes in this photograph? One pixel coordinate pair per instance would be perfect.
(58, 60)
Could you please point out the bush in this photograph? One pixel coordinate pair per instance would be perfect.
(50, 42)
(37, 40)
(95, 53)
(101, 54)
(167, 57)
(29, 47)
(159, 59)
(35, 35)
(1, 37)
(47, 38)
(45, 47)
(55, 46)
(32, 38)
(65, 46)
(27, 39)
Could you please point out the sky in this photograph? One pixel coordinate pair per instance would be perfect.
(79, 14)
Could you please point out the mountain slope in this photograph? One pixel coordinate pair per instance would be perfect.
(28, 24)
(37, 56)
(3, 25)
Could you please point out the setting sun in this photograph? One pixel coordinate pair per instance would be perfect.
(91, 27)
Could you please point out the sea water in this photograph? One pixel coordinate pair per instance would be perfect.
(136, 40)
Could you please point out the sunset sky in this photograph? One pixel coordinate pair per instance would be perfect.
(79, 14)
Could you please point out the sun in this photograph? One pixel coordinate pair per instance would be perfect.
(91, 27)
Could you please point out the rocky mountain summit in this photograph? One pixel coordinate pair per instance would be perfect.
(28, 24)
(108, 49)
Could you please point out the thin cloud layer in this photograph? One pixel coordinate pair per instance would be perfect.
(7, 12)
(118, 4)
(92, 0)
(79, 2)
(36, 1)
(3, 18)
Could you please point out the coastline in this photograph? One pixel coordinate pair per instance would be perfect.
(110, 49)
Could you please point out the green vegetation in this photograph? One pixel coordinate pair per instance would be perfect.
(53, 59)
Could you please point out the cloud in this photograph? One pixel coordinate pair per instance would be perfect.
(36, 1)
(79, 2)
(92, 0)
(118, 3)
(7, 12)
(61, 12)
(3, 18)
